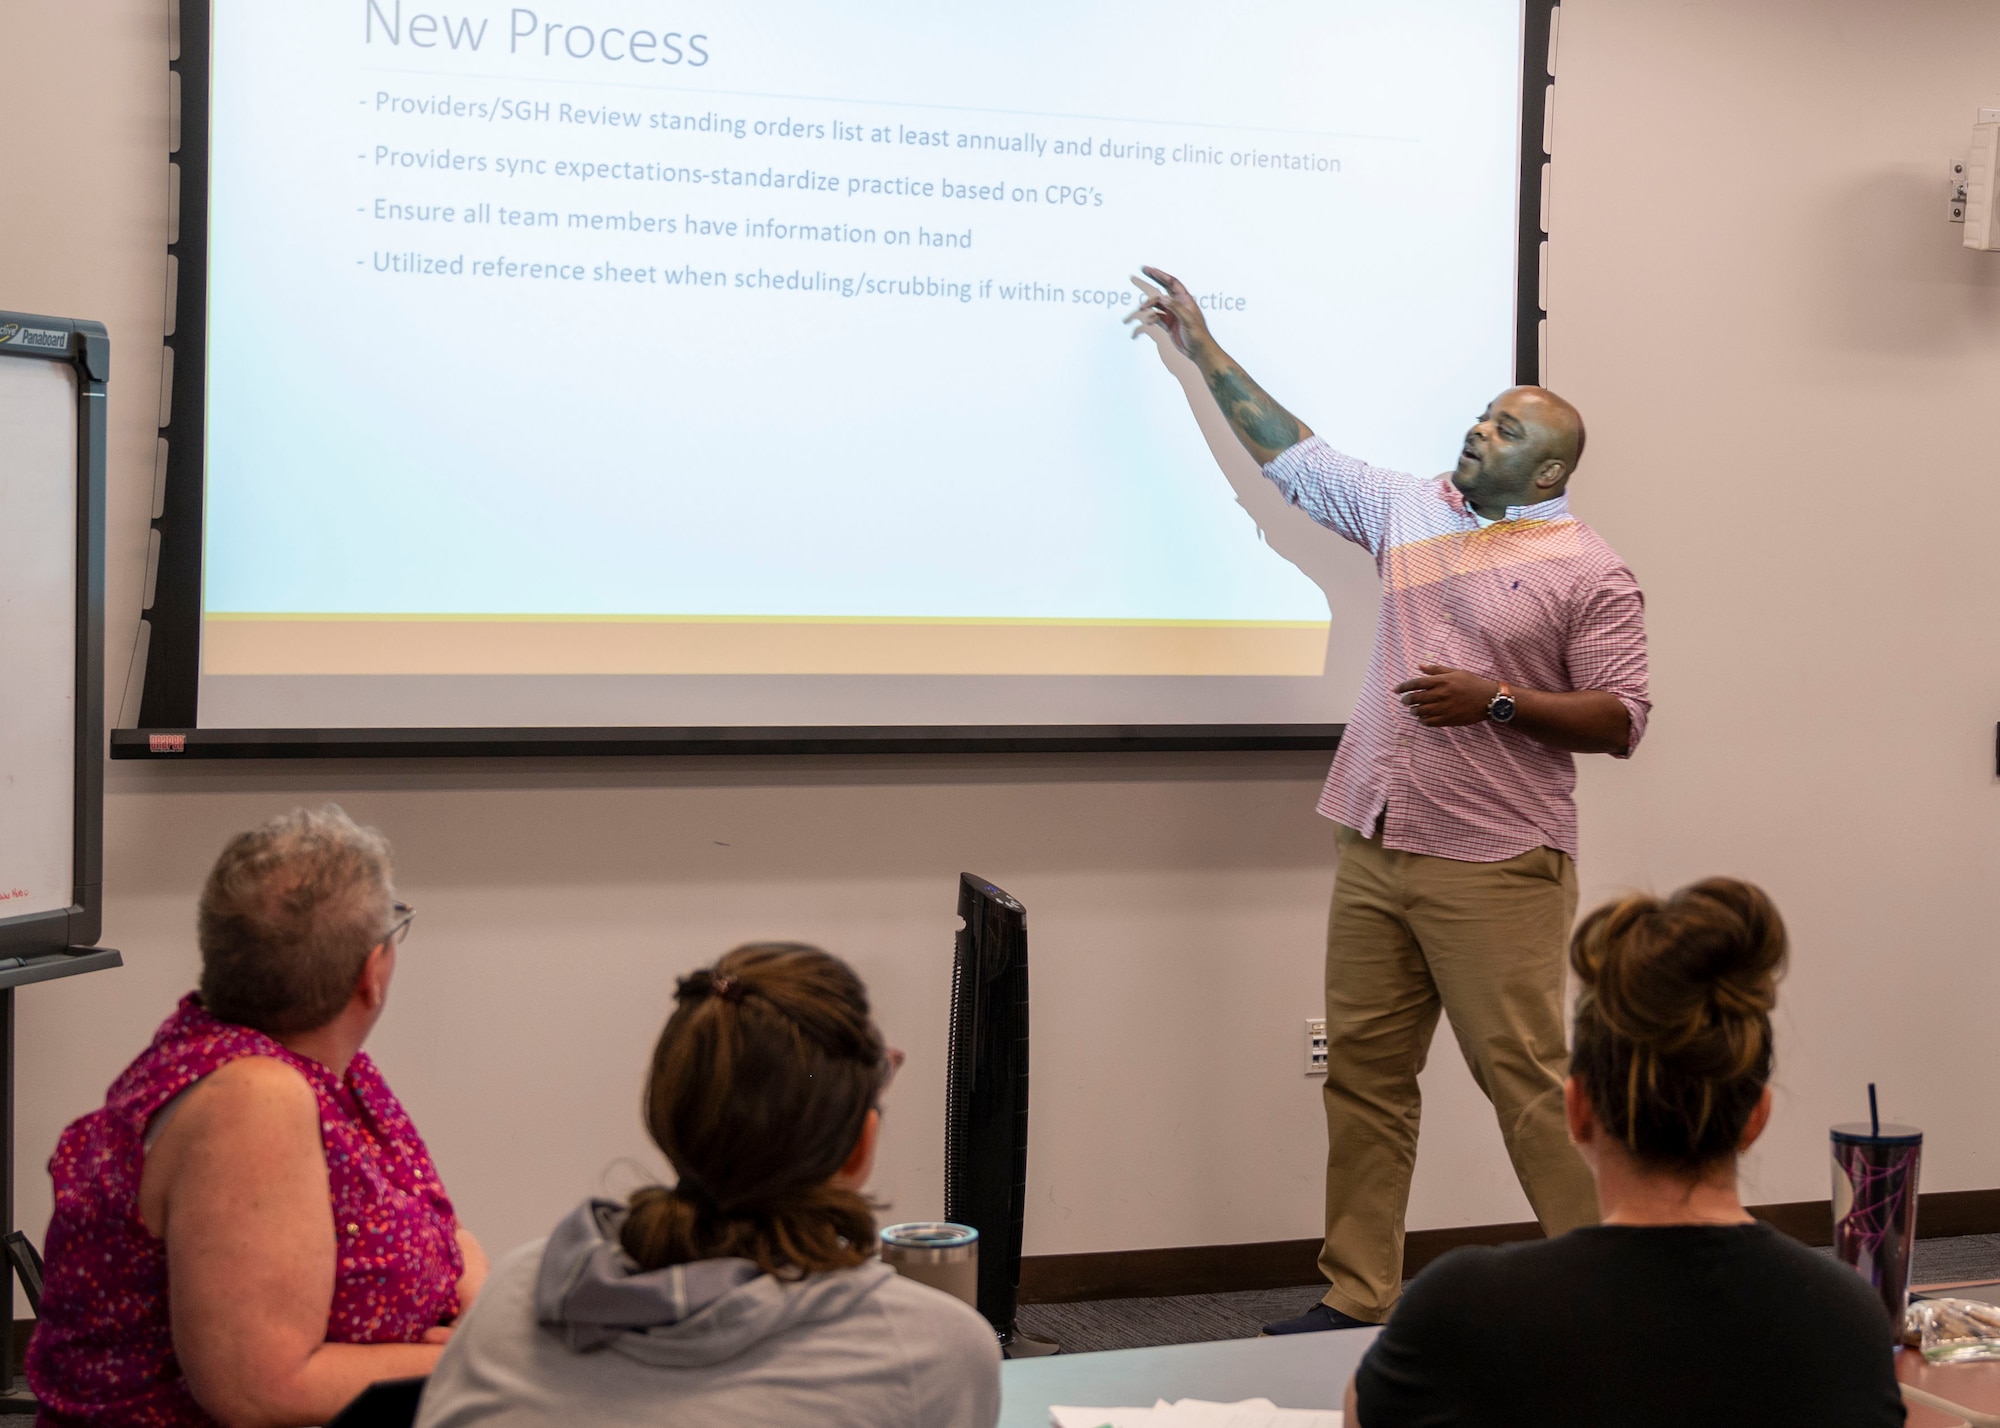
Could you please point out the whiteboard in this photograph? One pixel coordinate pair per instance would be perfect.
(38, 585)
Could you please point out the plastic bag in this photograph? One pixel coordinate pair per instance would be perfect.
(1953, 1331)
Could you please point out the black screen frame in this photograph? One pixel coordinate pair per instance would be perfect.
(168, 722)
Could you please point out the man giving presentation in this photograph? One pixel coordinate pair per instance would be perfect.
(1511, 637)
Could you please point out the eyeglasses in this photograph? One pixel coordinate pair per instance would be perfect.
(892, 1062)
(400, 928)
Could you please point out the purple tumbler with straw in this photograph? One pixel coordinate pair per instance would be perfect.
(1875, 1204)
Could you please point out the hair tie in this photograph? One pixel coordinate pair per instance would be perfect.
(694, 1192)
(706, 983)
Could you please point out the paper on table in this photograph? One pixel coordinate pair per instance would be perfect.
(1197, 1413)
(1066, 1417)
(1250, 1413)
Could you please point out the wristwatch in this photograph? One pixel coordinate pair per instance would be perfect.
(1500, 708)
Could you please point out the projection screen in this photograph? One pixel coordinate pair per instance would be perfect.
(604, 363)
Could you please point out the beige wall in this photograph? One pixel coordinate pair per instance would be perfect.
(1789, 367)
(1783, 357)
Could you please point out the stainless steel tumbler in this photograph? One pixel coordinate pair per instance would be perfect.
(938, 1253)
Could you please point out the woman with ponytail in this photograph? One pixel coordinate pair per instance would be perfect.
(749, 1291)
(1679, 1308)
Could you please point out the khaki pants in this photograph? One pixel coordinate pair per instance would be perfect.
(1408, 936)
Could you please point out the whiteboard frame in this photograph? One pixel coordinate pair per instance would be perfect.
(87, 348)
(168, 719)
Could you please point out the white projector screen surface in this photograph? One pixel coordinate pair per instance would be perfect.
(637, 364)
(37, 636)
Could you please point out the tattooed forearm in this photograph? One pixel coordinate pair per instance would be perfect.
(1263, 426)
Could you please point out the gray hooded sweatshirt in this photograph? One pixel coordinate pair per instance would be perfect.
(568, 1331)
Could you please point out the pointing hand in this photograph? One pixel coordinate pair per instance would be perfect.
(1172, 309)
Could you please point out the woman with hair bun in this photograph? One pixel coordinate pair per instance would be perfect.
(749, 1292)
(1680, 1308)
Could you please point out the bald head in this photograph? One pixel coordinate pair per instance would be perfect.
(1559, 423)
(1520, 452)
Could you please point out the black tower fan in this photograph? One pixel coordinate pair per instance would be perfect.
(986, 1099)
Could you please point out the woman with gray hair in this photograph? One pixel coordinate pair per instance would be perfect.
(251, 1231)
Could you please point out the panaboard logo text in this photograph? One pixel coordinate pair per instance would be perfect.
(12, 334)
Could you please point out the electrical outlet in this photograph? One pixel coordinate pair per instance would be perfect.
(1315, 1046)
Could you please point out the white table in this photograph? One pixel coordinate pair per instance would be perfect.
(1296, 1371)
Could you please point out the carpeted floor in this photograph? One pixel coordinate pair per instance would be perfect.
(1197, 1318)
(1180, 1319)
(1946, 1261)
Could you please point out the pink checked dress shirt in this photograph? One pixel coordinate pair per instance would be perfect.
(1537, 600)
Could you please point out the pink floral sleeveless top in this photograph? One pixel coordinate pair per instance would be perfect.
(103, 1351)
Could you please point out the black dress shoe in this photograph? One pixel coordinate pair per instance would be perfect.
(1316, 1320)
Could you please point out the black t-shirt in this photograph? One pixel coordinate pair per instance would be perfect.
(1682, 1326)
